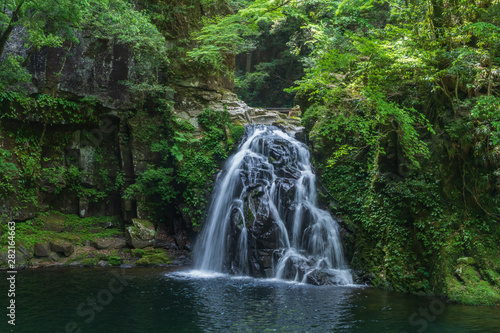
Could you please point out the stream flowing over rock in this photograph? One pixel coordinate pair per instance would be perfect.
(264, 220)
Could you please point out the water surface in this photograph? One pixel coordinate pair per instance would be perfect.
(162, 300)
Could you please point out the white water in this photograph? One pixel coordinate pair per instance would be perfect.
(307, 244)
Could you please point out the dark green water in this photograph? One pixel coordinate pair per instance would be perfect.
(156, 300)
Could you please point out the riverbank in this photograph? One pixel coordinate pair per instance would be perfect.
(54, 239)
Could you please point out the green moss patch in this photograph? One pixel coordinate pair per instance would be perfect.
(152, 257)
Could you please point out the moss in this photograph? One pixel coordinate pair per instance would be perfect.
(468, 289)
(237, 132)
(60, 227)
(466, 261)
(90, 261)
(79, 257)
(470, 282)
(52, 221)
(145, 223)
(154, 259)
(138, 252)
(115, 260)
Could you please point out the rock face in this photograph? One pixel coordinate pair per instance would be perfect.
(94, 67)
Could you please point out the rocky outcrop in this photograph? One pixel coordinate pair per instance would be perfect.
(92, 67)
(191, 102)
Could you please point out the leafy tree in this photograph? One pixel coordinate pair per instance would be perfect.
(44, 23)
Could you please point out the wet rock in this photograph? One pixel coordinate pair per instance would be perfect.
(182, 261)
(76, 264)
(268, 272)
(166, 243)
(267, 262)
(181, 240)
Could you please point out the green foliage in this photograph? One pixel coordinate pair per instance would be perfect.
(8, 172)
(400, 103)
(487, 113)
(49, 24)
(222, 36)
(91, 262)
(47, 109)
(118, 21)
(12, 74)
(188, 160)
(115, 260)
(219, 38)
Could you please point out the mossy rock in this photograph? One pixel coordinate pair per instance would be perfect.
(90, 262)
(53, 221)
(466, 261)
(468, 287)
(156, 259)
(138, 252)
(115, 261)
(140, 223)
(141, 234)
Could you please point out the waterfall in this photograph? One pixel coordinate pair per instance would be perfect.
(263, 218)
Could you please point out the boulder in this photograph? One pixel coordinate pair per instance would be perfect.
(141, 234)
(109, 243)
(63, 247)
(42, 249)
(54, 257)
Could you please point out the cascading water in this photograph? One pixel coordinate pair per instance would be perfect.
(263, 219)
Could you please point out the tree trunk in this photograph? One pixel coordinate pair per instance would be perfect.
(6, 34)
